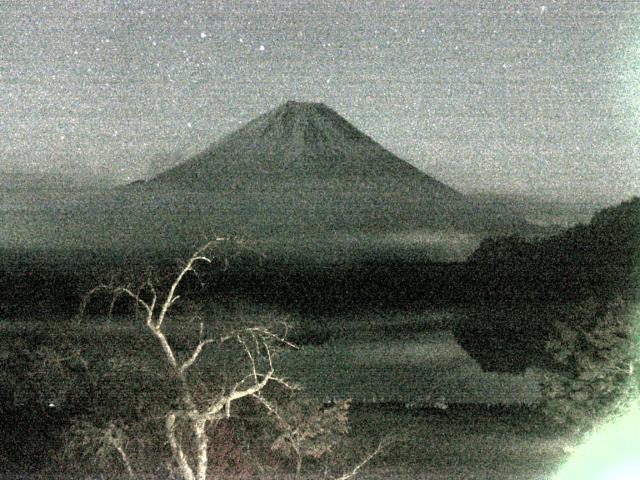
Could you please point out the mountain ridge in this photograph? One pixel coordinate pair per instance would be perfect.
(304, 164)
(294, 140)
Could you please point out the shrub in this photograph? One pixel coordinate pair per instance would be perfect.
(595, 353)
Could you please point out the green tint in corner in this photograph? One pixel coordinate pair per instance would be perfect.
(612, 451)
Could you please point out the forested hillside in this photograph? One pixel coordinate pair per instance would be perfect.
(573, 278)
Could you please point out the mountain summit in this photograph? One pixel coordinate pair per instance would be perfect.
(301, 180)
(303, 171)
(295, 141)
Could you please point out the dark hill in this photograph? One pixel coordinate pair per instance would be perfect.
(594, 265)
(585, 260)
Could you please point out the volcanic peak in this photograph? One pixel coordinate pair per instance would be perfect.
(313, 119)
(301, 141)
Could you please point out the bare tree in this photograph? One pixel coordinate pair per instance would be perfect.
(307, 429)
(186, 426)
(310, 430)
(104, 443)
(301, 427)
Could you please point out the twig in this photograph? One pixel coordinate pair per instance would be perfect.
(381, 446)
(196, 353)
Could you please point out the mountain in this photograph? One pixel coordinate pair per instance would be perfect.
(296, 140)
(11, 180)
(155, 164)
(302, 165)
(309, 193)
(300, 181)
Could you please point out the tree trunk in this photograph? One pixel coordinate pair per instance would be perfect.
(202, 446)
(176, 449)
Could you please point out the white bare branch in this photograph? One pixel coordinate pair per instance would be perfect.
(353, 472)
(90, 294)
(256, 387)
(190, 451)
(112, 304)
(198, 256)
(286, 383)
(127, 291)
(113, 437)
(251, 359)
(236, 394)
(272, 410)
(154, 295)
(164, 343)
(116, 292)
(268, 333)
(195, 354)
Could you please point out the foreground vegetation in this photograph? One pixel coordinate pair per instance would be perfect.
(174, 389)
(206, 392)
(65, 375)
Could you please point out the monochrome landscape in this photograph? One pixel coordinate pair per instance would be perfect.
(282, 295)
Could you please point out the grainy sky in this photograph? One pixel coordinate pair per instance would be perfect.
(539, 97)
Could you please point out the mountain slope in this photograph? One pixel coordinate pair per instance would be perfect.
(303, 164)
(295, 140)
(300, 180)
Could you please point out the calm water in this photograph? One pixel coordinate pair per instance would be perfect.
(428, 369)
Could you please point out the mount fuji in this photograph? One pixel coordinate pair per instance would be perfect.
(300, 180)
(302, 165)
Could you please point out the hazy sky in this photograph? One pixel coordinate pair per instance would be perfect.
(539, 97)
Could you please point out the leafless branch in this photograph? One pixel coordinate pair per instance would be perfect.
(268, 333)
(114, 437)
(384, 443)
(136, 297)
(236, 393)
(259, 345)
(112, 304)
(285, 383)
(198, 256)
(195, 354)
(272, 409)
(176, 448)
(154, 295)
(90, 294)
(251, 359)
